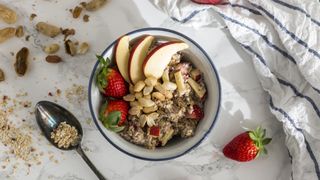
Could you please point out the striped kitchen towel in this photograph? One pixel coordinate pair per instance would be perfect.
(283, 39)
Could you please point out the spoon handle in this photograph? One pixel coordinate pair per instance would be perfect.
(87, 160)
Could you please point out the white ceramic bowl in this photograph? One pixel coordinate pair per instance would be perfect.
(177, 147)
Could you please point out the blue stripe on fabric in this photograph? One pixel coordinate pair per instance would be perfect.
(312, 156)
(290, 157)
(189, 17)
(247, 8)
(264, 37)
(253, 52)
(298, 9)
(292, 35)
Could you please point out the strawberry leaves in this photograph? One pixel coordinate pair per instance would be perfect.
(102, 75)
(110, 120)
(258, 137)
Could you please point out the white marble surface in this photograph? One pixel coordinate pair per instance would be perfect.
(244, 104)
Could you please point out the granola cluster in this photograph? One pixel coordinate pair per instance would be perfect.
(65, 135)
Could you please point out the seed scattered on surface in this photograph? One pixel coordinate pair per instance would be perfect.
(48, 29)
(83, 49)
(32, 16)
(53, 59)
(93, 5)
(65, 135)
(21, 63)
(2, 77)
(7, 15)
(86, 18)
(51, 48)
(19, 31)
(7, 33)
(70, 47)
(76, 12)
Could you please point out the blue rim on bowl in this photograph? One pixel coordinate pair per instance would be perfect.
(96, 120)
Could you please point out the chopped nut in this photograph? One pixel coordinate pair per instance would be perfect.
(134, 103)
(142, 120)
(7, 15)
(147, 90)
(21, 63)
(169, 86)
(94, 5)
(147, 96)
(19, 31)
(138, 95)
(2, 77)
(146, 102)
(32, 16)
(76, 12)
(7, 33)
(70, 47)
(86, 18)
(48, 29)
(129, 97)
(150, 121)
(53, 59)
(158, 96)
(151, 109)
(84, 47)
(151, 81)
(135, 110)
(52, 48)
(139, 86)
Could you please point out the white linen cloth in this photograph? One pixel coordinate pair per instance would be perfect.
(283, 38)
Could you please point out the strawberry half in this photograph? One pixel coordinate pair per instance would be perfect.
(113, 114)
(247, 146)
(196, 114)
(207, 1)
(110, 81)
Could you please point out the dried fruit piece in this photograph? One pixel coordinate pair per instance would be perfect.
(86, 18)
(7, 33)
(51, 48)
(76, 12)
(48, 29)
(7, 14)
(21, 63)
(32, 16)
(70, 47)
(84, 47)
(53, 59)
(2, 77)
(94, 5)
(19, 31)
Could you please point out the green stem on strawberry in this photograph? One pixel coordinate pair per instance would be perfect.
(101, 77)
(111, 120)
(259, 138)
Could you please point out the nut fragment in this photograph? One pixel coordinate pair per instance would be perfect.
(2, 76)
(129, 97)
(68, 32)
(32, 16)
(7, 33)
(86, 18)
(134, 103)
(94, 5)
(21, 63)
(151, 81)
(7, 15)
(53, 59)
(142, 120)
(138, 95)
(134, 110)
(51, 49)
(76, 12)
(147, 90)
(150, 121)
(70, 47)
(147, 96)
(19, 31)
(83, 48)
(154, 115)
(158, 96)
(48, 29)
(146, 102)
(151, 109)
(169, 86)
(139, 86)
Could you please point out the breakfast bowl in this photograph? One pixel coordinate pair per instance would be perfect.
(176, 146)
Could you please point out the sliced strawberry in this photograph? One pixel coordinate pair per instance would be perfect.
(196, 114)
(154, 131)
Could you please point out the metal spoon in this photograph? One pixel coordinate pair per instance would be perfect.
(49, 115)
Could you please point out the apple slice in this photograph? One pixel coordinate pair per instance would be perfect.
(158, 58)
(122, 56)
(137, 56)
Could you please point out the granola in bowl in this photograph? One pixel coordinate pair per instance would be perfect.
(153, 93)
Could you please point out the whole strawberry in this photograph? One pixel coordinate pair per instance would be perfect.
(113, 114)
(247, 146)
(110, 81)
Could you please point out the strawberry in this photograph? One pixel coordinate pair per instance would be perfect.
(207, 1)
(113, 114)
(110, 81)
(196, 114)
(247, 146)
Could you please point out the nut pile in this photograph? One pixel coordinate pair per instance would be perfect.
(65, 135)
